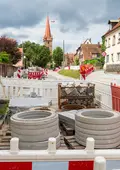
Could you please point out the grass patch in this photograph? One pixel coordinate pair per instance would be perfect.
(3, 107)
(70, 73)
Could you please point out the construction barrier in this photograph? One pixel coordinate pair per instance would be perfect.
(19, 73)
(46, 72)
(35, 75)
(115, 97)
(52, 159)
(77, 165)
(85, 70)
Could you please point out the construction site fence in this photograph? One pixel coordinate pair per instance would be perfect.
(14, 87)
(52, 159)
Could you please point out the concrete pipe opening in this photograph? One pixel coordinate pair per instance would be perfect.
(97, 114)
(34, 115)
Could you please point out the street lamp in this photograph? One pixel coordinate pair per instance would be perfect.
(25, 61)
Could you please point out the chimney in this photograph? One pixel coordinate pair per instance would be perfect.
(99, 44)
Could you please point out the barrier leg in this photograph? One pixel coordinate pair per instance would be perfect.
(99, 163)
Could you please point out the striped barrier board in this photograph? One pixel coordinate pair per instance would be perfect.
(71, 165)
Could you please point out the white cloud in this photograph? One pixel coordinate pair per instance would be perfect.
(72, 39)
(76, 20)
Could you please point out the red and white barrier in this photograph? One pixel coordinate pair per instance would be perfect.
(46, 72)
(85, 70)
(35, 75)
(52, 159)
(115, 89)
(19, 73)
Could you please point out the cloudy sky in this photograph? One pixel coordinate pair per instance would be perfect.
(75, 20)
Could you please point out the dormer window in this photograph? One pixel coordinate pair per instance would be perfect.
(114, 39)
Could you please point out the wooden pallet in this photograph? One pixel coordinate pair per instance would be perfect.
(63, 146)
(71, 143)
(68, 130)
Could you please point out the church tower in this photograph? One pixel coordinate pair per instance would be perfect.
(47, 39)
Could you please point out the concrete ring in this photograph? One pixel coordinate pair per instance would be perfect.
(97, 116)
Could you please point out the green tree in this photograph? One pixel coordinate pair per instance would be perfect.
(4, 57)
(36, 54)
(76, 61)
(42, 56)
(103, 47)
(28, 50)
(58, 56)
(10, 46)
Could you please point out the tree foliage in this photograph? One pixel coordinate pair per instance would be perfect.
(10, 46)
(42, 57)
(96, 61)
(36, 54)
(4, 57)
(76, 61)
(58, 56)
(103, 47)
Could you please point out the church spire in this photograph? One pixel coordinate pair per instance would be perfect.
(47, 36)
(47, 30)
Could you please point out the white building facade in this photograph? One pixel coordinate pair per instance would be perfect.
(112, 39)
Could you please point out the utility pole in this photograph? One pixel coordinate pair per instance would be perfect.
(63, 53)
(23, 50)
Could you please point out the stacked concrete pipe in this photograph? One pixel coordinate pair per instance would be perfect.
(34, 128)
(102, 125)
(42, 108)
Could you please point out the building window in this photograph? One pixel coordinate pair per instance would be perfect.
(107, 58)
(118, 37)
(112, 59)
(109, 42)
(94, 55)
(113, 43)
(118, 56)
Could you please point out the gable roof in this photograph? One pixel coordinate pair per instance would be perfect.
(88, 39)
(89, 49)
(113, 29)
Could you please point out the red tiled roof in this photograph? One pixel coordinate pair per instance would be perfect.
(20, 50)
(113, 29)
(89, 49)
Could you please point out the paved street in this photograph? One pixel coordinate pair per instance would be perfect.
(95, 76)
(104, 77)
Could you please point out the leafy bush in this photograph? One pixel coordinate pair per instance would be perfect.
(70, 73)
(96, 61)
(76, 61)
(4, 107)
(4, 57)
(11, 47)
